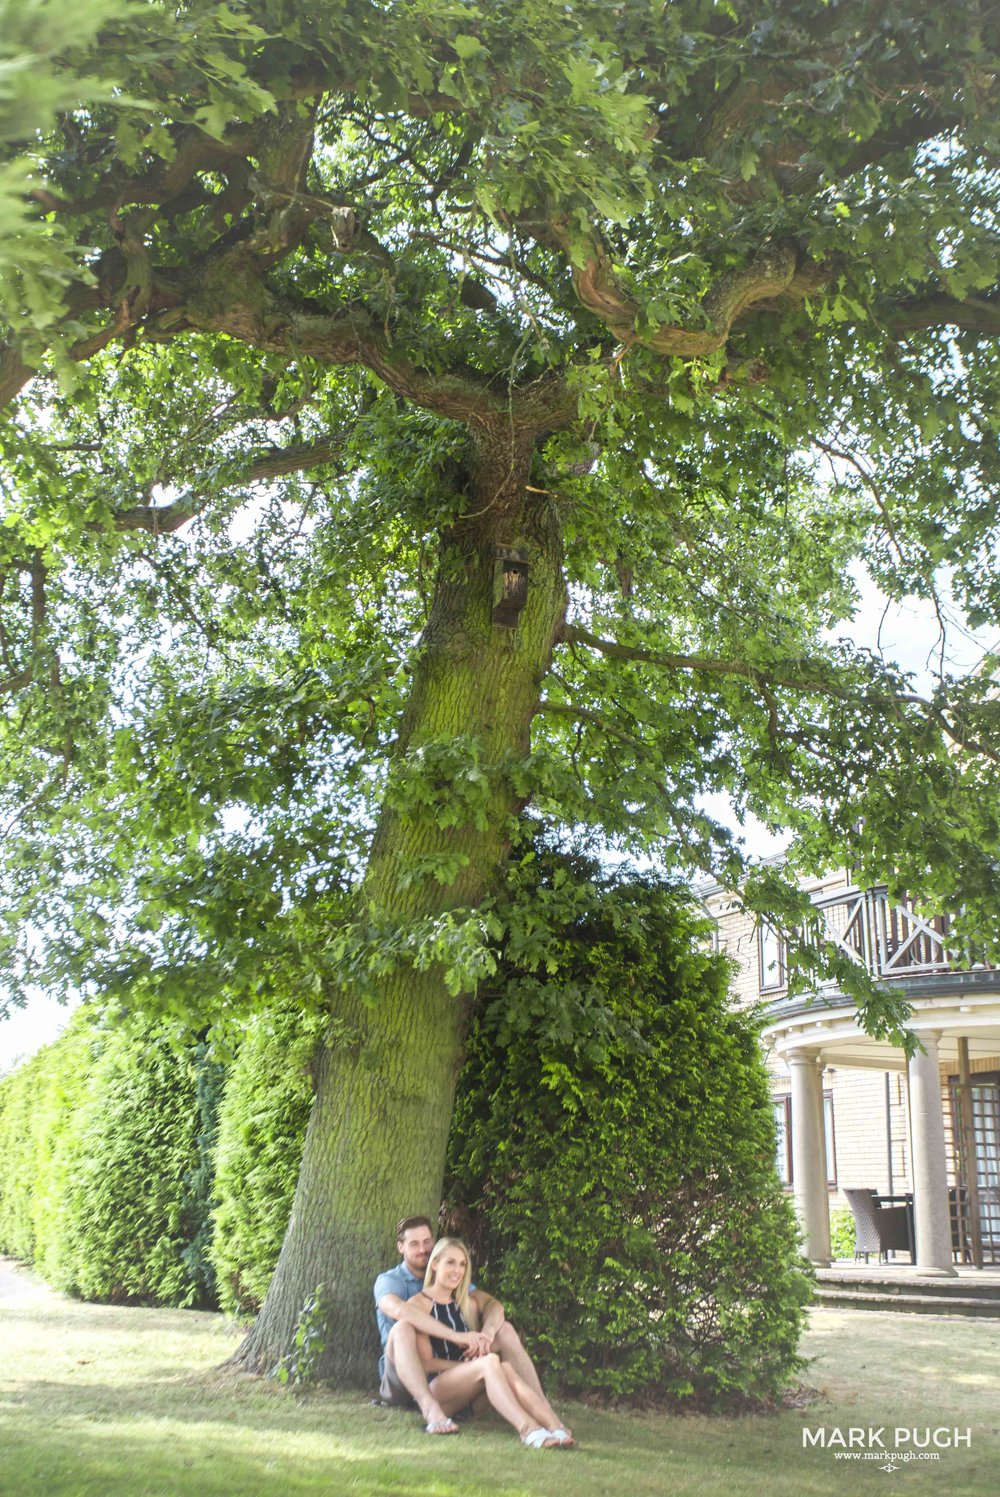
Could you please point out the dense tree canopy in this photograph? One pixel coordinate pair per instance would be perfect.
(421, 410)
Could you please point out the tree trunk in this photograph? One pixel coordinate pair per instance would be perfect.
(375, 1147)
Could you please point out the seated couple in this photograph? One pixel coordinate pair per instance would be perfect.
(448, 1346)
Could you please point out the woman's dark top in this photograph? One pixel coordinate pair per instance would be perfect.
(451, 1316)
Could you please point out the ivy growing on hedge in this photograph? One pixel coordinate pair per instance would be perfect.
(612, 1155)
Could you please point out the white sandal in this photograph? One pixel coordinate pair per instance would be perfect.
(536, 1438)
(562, 1436)
(445, 1426)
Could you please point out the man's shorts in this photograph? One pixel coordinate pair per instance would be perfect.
(391, 1390)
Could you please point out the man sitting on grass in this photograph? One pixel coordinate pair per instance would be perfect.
(404, 1381)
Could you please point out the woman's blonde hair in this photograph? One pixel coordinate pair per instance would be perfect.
(467, 1306)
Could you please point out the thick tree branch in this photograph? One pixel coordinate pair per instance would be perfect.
(16, 682)
(803, 675)
(774, 272)
(14, 373)
(227, 292)
(914, 129)
(162, 184)
(708, 664)
(164, 519)
(974, 314)
(230, 294)
(792, 162)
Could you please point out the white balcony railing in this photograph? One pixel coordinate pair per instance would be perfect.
(891, 940)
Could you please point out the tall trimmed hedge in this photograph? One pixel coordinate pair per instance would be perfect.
(262, 1128)
(131, 1171)
(612, 1159)
(132, 1214)
(99, 1182)
(38, 1102)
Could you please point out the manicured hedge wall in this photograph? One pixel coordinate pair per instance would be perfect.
(99, 1184)
(37, 1105)
(262, 1128)
(132, 1171)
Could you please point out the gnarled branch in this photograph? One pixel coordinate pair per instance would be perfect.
(230, 294)
(774, 272)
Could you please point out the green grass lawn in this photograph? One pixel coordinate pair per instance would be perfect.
(98, 1401)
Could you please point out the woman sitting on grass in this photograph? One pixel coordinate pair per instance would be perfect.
(480, 1381)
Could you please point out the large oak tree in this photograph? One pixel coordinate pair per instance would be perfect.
(419, 411)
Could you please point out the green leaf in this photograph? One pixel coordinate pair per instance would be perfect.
(467, 46)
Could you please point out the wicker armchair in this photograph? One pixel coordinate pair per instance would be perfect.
(878, 1229)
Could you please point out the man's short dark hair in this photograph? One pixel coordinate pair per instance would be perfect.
(409, 1222)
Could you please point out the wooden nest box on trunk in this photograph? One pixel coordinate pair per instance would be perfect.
(510, 586)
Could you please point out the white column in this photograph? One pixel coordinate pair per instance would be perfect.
(930, 1170)
(812, 1197)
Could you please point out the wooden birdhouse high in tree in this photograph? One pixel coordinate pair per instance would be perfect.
(510, 586)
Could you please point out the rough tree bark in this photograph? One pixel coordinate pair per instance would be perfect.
(375, 1146)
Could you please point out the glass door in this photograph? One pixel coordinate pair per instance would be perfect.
(986, 1140)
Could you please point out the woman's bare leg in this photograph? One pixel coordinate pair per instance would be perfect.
(512, 1354)
(507, 1404)
(460, 1384)
(535, 1404)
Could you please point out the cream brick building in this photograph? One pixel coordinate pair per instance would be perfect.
(851, 1112)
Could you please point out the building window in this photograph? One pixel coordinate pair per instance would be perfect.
(783, 1139)
(772, 959)
(831, 1143)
